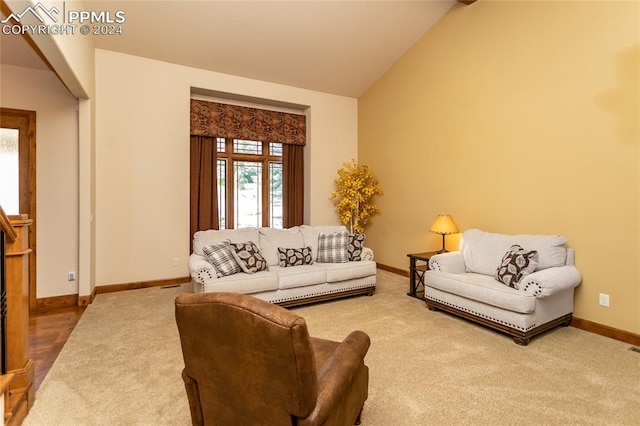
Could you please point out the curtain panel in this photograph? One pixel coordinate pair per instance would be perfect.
(204, 184)
(230, 121)
(293, 184)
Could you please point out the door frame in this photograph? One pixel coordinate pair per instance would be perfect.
(25, 122)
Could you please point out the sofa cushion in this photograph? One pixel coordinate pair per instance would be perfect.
(294, 256)
(212, 236)
(300, 276)
(271, 239)
(246, 283)
(248, 256)
(332, 248)
(483, 251)
(310, 235)
(221, 257)
(516, 264)
(337, 272)
(356, 244)
(482, 288)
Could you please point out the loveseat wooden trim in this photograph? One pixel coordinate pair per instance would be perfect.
(520, 337)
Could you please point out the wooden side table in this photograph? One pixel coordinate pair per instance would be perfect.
(418, 265)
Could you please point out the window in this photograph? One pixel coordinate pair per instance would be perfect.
(249, 183)
(9, 171)
(246, 167)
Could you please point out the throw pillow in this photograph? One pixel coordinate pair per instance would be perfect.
(221, 257)
(516, 264)
(332, 248)
(248, 257)
(356, 244)
(294, 256)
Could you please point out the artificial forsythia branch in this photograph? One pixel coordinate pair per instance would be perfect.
(355, 188)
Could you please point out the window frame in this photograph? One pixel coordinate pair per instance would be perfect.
(231, 157)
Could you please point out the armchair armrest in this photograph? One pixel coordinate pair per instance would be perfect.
(337, 373)
(193, 395)
(551, 280)
(452, 262)
(201, 271)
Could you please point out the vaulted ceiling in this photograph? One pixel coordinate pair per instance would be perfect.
(339, 47)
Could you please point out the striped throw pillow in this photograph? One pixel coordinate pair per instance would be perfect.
(332, 248)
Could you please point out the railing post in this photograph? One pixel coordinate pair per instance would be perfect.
(20, 389)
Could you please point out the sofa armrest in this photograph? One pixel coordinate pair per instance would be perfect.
(337, 373)
(451, 262)
(201, 270)
(367, 254)
(551, 280)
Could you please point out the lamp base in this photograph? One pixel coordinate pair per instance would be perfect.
(442, 250)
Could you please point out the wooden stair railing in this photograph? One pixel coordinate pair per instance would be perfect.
(5, 225)
(17, 385)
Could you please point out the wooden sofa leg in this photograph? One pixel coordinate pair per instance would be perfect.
(359, 415)
(522, 341)
(431, 307)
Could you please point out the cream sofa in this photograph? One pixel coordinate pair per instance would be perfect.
(464, 283)
(285, 286)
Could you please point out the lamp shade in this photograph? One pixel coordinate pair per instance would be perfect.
(444, 225)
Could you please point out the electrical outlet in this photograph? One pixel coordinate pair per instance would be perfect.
(72, 276)
(176, 261)
(603, 299)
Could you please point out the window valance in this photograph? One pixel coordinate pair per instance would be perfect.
(230, 121)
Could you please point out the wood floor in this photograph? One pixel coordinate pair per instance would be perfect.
(48, 332)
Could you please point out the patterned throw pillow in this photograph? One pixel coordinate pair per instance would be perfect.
(356, 244)
(221, 257)
(294, 256)
(332, 248)
(516, 264)
(248, 257)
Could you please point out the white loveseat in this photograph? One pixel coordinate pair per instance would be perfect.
(464, 283)
(285, 286)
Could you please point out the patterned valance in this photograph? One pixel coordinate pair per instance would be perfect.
(230, 121)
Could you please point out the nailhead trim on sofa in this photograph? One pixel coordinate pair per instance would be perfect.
(478, 314)
(538, 291)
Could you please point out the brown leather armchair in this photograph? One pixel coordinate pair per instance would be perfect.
(249, 362)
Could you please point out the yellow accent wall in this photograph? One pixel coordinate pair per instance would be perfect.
(517, 117)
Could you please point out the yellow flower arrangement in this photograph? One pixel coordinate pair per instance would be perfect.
(355, 188)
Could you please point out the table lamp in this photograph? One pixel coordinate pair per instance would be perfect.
(443, 225)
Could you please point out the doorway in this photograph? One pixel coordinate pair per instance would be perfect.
(18, 175)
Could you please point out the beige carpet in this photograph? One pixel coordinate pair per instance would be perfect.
(122, 364)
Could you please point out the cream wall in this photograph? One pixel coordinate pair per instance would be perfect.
(517, 117)
(56, 172)
(70, 55)
(72, 58)
(142, 159)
